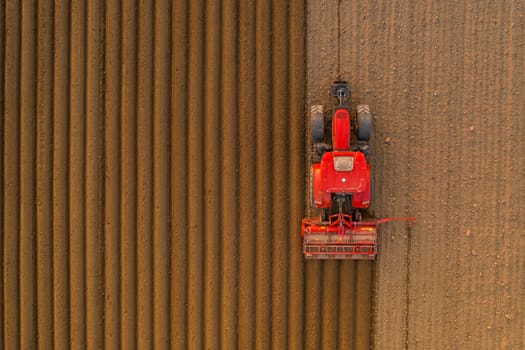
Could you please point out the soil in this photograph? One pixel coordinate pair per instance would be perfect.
(154, 162)
(445, 84)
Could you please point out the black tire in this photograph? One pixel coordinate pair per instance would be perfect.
(317, 123)
(364, 123)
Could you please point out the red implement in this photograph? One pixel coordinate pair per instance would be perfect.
(341, 237)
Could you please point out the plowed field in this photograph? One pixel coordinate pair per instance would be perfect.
(153, 161)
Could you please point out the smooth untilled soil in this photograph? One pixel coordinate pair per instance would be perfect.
(445, 82)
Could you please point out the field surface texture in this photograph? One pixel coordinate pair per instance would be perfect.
(445, 83)
(154, 158)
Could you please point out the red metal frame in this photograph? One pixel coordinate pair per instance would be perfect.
(341, 237)
(341, 130)
(327, 180)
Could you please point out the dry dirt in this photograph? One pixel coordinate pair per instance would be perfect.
(153, 160)
(445, 82)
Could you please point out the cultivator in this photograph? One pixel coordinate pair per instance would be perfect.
(341, 237)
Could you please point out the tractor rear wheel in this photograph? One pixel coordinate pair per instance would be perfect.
(364, 123)
(317, 123)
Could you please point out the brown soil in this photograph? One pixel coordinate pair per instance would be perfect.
(445, 83)
(153, 160)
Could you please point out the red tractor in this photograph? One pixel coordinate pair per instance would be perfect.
(340, 184)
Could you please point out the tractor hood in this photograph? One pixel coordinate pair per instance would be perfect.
(344, 172)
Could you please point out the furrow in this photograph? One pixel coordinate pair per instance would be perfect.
(77, 164)
(229, 170)
(362, 304)
(280, 199)
(212, 163)
(28, 320)
(263, 220)
(162, 225)
(145, 119)
(2, 173)
(179, 171)
(195, 154)
(112, 176)
(128, 181)
(329, 303)
(11, 178)
(94, 176)
(247, 176)
(346, 296)
(61, 178)
(44, 176)
(313, 310)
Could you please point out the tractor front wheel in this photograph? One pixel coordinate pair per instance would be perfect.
(364, 123)
(317, 123)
